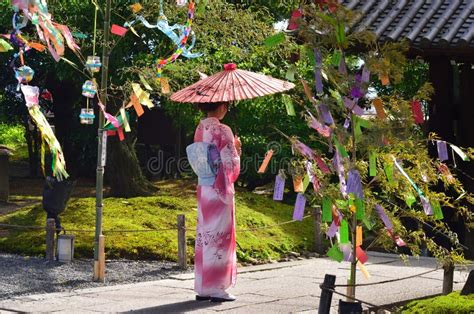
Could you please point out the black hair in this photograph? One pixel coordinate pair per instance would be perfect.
(209, 107)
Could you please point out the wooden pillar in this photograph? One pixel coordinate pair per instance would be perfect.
(441, 107)
(465, 138)
(50, 233)
(448, 278)
(4, 177)
(99, 266)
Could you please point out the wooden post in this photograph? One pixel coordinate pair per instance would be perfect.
(326, 295)
(448, 278)
(318, 235)
(182, 259)
(50, 232)
(4, 176)
(99, 266)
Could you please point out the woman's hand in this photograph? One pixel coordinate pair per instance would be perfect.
(238, 144)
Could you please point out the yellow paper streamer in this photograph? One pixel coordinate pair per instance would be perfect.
(145, 83)
(125, 120)
(142, 96)
(363, 270)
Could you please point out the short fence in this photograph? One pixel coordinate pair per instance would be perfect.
(328, 286)
(180, 227)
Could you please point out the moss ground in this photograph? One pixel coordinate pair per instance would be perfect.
(451, 303)
(160, 211)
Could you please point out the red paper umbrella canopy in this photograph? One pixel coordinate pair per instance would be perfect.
(229, 85)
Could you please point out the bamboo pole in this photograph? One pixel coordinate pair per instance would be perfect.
(102, 146)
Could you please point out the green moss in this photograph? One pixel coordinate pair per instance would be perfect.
(160, 212)
(451, 303)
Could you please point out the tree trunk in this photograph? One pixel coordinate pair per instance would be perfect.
(123, 171)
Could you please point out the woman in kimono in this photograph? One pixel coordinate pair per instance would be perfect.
(215, 261)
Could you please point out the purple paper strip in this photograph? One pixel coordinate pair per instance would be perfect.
(350, 104)
(279, 188)
(303, 149)
(347, 251)
(342, 65)
(332, 230)
(383, 216)
(354, 184)
(325, 114)
(318, 126)
(299, 207)
(317, 71)
(347, 123)
(426, 206)
(442, 150)
(318, 80)
(340, 172)
(356, 92)
(365, 75)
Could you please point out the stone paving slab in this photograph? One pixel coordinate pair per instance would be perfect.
(291, 287)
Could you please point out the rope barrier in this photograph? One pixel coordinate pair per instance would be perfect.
(347, 296)
(388, 281)
(141, 230)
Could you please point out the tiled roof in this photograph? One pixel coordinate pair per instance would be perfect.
(446, 25)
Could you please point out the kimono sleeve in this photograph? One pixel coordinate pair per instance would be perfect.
(229, 169)
(229, 155)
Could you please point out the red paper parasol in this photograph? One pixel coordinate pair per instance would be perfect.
(230, 85)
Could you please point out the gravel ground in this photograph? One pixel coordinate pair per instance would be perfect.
(21, 275)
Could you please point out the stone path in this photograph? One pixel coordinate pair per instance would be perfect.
(291, 287)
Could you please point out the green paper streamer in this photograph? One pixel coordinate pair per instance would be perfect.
(389, 172)
(344, 232)
(342, 204)
(360, 209)
(5, 46)
(340, 148)
(275, 40)
(327, 211)
(410, 199)
(373, 164)
(79, 35)
(358, 123)
(438, 212)
(305, 182)
(459, 152)
(341, 34)
(336, 58)
(335, 254)
(290, 109)
(335, 94)
(290, 73)
(369, 224)
(308, 53)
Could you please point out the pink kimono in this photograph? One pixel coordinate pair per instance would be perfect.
(215, 261)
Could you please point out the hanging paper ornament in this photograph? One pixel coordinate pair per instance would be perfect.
(181, 3)
(5, 46)
(93, 64)
(58, 164)
(417, 112)
(295, 19)
(87, 116)
(89, 89)
(24, 74)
